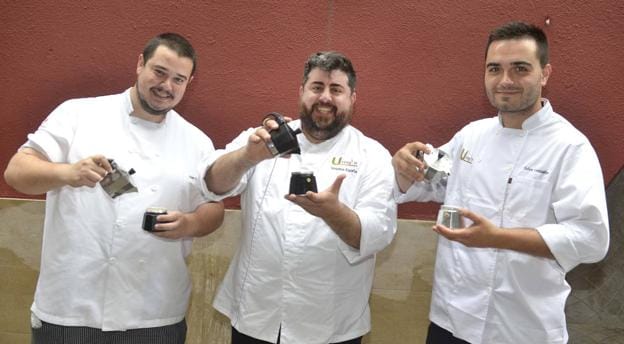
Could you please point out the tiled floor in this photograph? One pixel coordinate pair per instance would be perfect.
(595, 309)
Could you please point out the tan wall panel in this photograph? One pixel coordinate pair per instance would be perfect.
(399, 301)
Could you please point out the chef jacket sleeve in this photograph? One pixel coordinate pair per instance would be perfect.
(423, 191)
(375, 207)
(54, 136)
(198, 196)
(581, 232)
(238, 142)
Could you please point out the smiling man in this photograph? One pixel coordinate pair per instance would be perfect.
(156, 97)
(304, 269)
(531, 188)
(103, 278)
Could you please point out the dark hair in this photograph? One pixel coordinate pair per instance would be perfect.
(174, 42)
(519, 30)
(329, 61)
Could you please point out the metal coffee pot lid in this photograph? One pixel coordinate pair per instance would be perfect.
(438, 163)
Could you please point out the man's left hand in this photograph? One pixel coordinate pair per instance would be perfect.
(482, 232)
(173, 225)
(322, 204)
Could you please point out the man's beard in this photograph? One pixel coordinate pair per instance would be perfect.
(526, 102)
(147, 107)
(323, 132)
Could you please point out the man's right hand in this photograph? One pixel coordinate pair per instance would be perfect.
(226, 172)
(407, 167)
(31, 172)
(86, 172)
(257, 149)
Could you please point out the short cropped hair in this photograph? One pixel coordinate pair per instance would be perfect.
(174, 42)
(330, 61)
(519, 30)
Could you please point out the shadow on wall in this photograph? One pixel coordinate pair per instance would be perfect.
(595, 308)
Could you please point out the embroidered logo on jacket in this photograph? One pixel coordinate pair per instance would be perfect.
(340, 164)
(466, 156)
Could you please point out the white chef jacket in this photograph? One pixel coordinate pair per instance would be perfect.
(99, 268)
(291, 269)
(544, 176)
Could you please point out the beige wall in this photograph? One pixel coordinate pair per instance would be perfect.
(399, 301)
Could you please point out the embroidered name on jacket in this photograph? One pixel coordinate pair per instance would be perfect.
(540, 171)
(344, 165)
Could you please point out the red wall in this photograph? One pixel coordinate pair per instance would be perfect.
(420, 64)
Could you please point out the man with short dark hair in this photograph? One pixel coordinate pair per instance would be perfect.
(304, 269)
(530, 188)
(103, 162)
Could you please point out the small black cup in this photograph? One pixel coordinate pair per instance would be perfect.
(149, 218)
(302, 182)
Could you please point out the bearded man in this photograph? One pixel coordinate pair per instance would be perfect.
(304, 269)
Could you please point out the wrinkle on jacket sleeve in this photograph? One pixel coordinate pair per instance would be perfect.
(581, 234)
(239, 142)
(376, 209)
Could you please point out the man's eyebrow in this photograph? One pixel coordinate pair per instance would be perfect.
(317, 83)
(320, 83)
(157, 66)
(182, 76)
(515, 63)
(521, 63)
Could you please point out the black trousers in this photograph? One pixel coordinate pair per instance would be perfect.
(239, 338)
(57, 334)
(438, 335)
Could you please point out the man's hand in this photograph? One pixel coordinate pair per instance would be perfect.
(86, 172)
(257, 149)
(407, 167)
(323, 204)
(30, 172)
(482, 232)
(173, 225)
(326, 205)
(227, 171)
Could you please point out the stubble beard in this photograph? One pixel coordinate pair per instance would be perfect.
(525, 104)
(147, 107)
